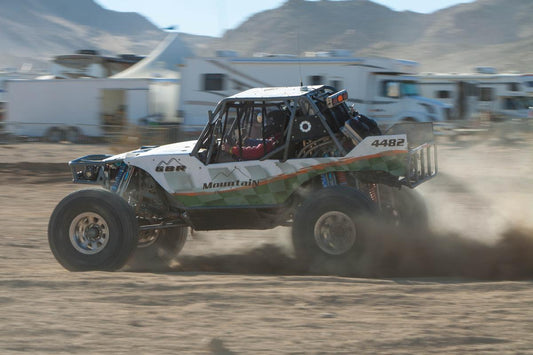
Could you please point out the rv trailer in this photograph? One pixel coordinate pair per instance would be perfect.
(381, 88)
(67, 109)
(498, 96)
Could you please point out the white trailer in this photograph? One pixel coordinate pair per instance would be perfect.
(498, 95)
(381, 88)
(70, 108)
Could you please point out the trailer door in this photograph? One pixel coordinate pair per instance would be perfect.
(136, 104)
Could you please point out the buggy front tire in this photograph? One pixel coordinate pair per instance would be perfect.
(92, 230)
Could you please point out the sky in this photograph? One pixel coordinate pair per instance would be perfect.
(213, 17)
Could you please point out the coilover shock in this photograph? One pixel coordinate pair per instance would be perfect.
(373, 192)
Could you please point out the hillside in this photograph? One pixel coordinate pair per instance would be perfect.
(34, 31)
(495, 33)
(487, 32)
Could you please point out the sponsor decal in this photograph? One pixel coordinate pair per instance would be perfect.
(234, 183)
(305, 126)
(170, 166)
(388, 143)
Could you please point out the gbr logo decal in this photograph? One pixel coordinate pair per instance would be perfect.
(171, 165)
(393, 142)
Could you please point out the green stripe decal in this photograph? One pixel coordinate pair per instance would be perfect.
(276, 190)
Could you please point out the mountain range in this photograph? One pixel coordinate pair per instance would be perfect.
(34, 31)
(496, 33)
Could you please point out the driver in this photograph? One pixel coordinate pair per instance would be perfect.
(255, 148)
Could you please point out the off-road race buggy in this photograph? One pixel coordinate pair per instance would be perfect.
(287, 156)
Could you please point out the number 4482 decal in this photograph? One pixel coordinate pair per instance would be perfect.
(393, 142)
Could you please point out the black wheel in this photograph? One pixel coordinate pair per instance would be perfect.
(158, 247)
(54, 135)
(72, 134)
(92, 230)
(331, 225)
(409, 209)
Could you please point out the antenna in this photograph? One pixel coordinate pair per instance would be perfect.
(299, 56)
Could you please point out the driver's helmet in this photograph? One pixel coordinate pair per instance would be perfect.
(275, 122)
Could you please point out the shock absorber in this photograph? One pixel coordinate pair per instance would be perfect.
(324, 180)
(373, 192)
(341, 178)
(328, 179)
(118, 178)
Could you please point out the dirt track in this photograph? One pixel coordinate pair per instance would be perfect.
(466, 287)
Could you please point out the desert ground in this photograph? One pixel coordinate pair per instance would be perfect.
(464, 287)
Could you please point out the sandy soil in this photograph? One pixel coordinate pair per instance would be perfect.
(465, 287)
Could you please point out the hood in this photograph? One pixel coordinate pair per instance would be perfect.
(180, 148)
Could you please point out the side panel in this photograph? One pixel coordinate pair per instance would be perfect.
(35, 105)
(262, 183)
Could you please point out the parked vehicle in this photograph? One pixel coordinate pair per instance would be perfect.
(291, 156)
(498, 96)
(381, 88)
(67, 109)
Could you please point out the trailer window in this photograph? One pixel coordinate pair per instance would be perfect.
(513, 87)
(409, 88)
(316, 80)
(443, 94)
(213, 82)
(485, 94)
(337, 84)
(509, 104)
(471, 89)
(516, 103)
(390, 89)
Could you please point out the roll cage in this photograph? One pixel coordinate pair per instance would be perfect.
(303, 114)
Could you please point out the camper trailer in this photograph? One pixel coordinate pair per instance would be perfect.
(500, 96)
(381, 88)
(67, 109)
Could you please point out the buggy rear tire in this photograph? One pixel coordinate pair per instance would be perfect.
(92, 230)
(164, 246)
(411, 209)
(331, 226)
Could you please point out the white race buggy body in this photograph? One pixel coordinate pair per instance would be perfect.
(268, 157)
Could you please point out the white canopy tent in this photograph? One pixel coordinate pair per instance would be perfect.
(162, 68)
(163, 62)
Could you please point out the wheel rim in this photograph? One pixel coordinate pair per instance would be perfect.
(147, 238)
(89, 233)
(335, 233)
(54, 135)
(72, 135)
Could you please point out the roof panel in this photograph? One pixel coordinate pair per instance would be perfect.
(275, 92)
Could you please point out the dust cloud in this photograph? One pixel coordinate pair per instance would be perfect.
(481, 212)
(389, 253)
(393, 254)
